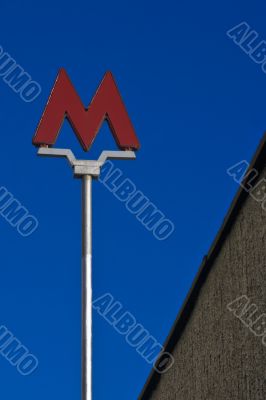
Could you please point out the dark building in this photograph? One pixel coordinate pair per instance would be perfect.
(218, 340)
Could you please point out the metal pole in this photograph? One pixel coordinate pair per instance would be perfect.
(86, 288)
(86, 170)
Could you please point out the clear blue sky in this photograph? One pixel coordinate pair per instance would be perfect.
(197, 102)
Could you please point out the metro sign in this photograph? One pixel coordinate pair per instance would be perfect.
(106, 105)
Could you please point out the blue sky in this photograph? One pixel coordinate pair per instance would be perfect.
(197, 102)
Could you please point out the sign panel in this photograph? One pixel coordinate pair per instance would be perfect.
(107, 104)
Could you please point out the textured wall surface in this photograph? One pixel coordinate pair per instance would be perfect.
(217, 357)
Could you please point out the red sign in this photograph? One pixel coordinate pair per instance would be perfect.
(107, 104)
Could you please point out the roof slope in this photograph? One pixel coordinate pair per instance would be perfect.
(257, 163)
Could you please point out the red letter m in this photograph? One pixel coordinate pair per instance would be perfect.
(106, 104)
